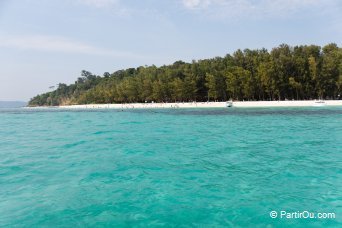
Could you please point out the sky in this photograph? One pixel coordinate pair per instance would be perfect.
(46, 42)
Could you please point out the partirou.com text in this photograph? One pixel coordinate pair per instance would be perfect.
(302, 215)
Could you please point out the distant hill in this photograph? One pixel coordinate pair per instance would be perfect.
(12, 104)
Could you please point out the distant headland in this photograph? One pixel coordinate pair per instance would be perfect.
(12, 104)
(284, 73)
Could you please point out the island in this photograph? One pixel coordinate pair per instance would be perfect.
(285, 75)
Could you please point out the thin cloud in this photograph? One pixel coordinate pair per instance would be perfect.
(116, 7)
(58, 44)
(252, 8)
(99, 3)
(196, 4)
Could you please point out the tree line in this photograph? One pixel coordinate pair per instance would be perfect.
(285, 72)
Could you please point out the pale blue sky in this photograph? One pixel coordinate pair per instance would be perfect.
(44, 42)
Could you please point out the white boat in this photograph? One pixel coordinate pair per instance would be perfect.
(319, 103)
(229, 104)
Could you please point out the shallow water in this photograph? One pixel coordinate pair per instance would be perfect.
(208, 167)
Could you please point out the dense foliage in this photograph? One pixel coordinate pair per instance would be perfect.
(301, 72)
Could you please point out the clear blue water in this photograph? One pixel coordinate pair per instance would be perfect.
(174, 168)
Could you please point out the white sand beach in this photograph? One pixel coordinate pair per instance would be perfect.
(237, 104)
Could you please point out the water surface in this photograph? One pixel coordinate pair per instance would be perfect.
(207, 167)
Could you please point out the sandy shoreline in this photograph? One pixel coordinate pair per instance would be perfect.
(237, 104)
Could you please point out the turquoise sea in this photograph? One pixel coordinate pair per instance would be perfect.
(172, 168)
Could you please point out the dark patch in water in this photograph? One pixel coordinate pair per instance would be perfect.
(243, 111)
(70, 145)
(309, 111)
(132, 122)
(101, 132)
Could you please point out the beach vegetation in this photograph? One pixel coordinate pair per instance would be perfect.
(293, 73)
